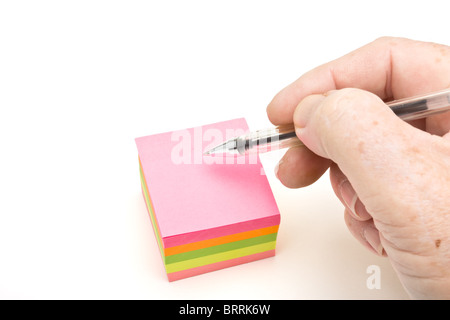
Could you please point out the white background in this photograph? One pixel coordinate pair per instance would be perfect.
(79, 80)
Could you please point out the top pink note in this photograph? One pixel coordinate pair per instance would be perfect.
(197, 197)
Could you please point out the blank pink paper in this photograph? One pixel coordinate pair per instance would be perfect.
(194, 199)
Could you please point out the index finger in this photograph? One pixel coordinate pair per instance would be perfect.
(391, 68)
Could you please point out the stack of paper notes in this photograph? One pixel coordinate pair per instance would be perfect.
(207, 212)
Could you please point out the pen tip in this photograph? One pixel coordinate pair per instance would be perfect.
(222, 148)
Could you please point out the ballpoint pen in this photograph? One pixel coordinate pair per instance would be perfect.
(284, 136)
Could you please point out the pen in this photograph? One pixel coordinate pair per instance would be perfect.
(284, 136)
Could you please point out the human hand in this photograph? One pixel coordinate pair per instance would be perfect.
(393, 177)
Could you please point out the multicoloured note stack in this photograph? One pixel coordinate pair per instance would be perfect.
(207, 213)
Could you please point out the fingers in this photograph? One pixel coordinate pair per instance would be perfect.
(391, 68)
(365, 232)
(364, 68)
(367, 68)
(357, 218)
(347, 194)
(300, 167)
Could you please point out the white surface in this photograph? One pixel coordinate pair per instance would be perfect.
(79, 80)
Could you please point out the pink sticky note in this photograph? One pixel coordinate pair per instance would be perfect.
(197, 197)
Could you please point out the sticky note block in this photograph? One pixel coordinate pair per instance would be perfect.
(207, 212)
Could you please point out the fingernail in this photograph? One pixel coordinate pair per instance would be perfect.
(354, 204)
(372, 236)
(349, 196)
(326, 94)
(299, 131)
(277, 167)
(361, 211)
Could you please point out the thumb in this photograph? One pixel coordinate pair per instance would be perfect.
(348, 117)
(377, 151)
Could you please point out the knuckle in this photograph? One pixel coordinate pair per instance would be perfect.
(384, 39)
(387, 40)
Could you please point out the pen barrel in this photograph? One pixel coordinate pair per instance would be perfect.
(284, 136)
(421, 106)
(266, 140)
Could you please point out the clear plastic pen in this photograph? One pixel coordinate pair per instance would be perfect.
(284, 136)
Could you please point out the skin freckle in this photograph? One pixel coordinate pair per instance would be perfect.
(414, 150)
(437, 243)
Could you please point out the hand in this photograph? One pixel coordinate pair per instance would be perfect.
(393, 177)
